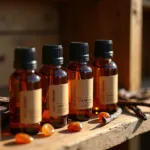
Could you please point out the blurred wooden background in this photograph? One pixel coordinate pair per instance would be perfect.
(37, 22)
(25, 23)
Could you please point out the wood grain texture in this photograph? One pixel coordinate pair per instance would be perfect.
(104, 19)
(24, 16)
(135, 48)
(92, 136)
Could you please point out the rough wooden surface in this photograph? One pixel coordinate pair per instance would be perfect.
(92, 136)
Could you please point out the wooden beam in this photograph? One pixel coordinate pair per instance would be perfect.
(135, 54)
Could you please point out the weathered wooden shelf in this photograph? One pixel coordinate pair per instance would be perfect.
(92, 136)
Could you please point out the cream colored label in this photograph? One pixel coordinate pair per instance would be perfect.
(81, 94)
(31, 106)
(58, 100)
(108, 89)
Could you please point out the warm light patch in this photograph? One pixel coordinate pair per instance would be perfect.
(96, 108)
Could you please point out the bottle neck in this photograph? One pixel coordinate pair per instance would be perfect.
(27, 71)
(52, 66)
(102, 60)
(79, 62)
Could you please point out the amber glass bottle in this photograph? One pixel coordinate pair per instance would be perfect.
(80, 79)
(54, 86)
(105, 78)
(25, 93)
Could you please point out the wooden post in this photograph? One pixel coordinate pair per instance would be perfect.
(135, 54)
(119, 20)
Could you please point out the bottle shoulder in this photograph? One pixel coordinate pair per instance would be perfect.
(80, 67)
(105, 64)
(25, 76)
(52, 71)
(112, 64)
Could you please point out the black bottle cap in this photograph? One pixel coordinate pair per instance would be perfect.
(52, 54)
(103, 48)
(25, 58)
(79, 51)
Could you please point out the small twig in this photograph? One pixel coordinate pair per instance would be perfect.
(138, 112)
(4, 99)
(128, 103)
(2, 109)
(112, 117)
(123, 94)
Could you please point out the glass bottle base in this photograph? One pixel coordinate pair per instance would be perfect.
(81, 115)
(110, 108)
(56, 122)
(29, 129)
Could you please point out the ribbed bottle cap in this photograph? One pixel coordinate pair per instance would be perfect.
(79, 51)
(25, 58)
(103, 48)
(52, 54)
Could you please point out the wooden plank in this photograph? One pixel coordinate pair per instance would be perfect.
(92, 136)
(91, 20)
(7, 45)
(19, 16)
(135, 48)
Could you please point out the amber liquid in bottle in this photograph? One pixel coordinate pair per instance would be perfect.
(25, 93)
(79, 71)
(80, 80)
(22, 80)
(102, 67)
(105, 78)
(52, 75)
(54, 86)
